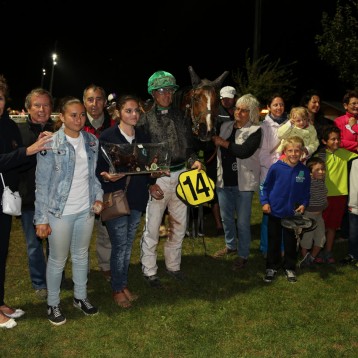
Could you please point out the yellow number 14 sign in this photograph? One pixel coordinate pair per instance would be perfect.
(195, 187)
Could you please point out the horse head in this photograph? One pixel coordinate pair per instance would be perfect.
(202, 102)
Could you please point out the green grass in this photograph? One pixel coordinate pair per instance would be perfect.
(218, 313)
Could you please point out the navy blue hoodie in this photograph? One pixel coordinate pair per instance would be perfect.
(285, 188)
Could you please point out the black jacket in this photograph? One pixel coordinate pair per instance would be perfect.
(29, 134)
(137, 192)
(12, 152)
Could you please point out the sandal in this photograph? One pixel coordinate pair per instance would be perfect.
(121, 299)
(130, 296)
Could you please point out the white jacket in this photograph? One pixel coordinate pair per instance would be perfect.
(269, 144)
(353, 188)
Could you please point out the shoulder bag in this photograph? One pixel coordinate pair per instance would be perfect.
(10, 201)
(115, 204)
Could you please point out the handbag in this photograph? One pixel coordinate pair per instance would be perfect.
(115, 204)
(10, 201)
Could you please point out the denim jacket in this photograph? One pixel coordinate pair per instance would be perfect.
(54, 172)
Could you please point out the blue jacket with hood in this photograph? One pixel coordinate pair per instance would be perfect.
(285, 188)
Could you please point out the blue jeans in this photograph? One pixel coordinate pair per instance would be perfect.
(353, 235)
(122, 232)
(35, 251)
(70, 233)
(236, 205)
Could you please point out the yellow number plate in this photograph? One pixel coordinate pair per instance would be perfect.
(195, 187)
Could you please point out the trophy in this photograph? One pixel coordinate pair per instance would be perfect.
(136, 158)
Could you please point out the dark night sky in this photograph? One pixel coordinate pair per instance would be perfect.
(119, 45)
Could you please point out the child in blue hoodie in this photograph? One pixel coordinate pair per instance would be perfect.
(285, 191)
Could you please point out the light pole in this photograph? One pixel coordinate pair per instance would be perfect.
(43, 77)
(257, 30)
(54, 63)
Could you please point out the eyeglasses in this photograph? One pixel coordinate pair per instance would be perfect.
(243, 110)
(165, 90)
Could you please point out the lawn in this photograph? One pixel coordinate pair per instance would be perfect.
(216, 313)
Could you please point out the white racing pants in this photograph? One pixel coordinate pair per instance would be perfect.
(177, 221)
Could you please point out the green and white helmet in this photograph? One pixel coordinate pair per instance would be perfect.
(161, 79)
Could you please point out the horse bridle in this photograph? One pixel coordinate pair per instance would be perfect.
(196, 118)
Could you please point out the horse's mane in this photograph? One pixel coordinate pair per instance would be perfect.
(179, 96)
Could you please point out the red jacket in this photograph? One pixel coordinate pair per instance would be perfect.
(349, 136)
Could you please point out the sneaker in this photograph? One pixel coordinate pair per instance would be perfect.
(87, 308)
(291, 276)
(318, 261)
(329, 259)
(347, 260)
(178, 275)
(239, 264)
(153, 281)
(224, 252)
(41, 293)
(306, 261)
(270, 275)
(55, 315)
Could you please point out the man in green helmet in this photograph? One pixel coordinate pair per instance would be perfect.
(166, 124)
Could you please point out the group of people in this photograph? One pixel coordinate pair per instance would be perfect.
(301, 163)
(290, 160)
(71, 177)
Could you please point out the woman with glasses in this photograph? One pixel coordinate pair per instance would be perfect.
(348, 122)
(238, 177)
(349, 140)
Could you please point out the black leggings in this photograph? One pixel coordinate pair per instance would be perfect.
(5, 229)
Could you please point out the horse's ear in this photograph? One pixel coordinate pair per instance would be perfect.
(218, 82)
(195, 79)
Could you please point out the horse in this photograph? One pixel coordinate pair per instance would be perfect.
(201, 102)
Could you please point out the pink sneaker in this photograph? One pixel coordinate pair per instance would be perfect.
(318, 260)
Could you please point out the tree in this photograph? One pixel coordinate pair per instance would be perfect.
(338, 44)
(262, 78)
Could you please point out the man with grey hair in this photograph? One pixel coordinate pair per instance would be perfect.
(39, 105)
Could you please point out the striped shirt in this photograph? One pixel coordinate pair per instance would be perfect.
(318, 198)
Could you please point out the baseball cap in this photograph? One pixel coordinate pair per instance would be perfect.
(227, 92)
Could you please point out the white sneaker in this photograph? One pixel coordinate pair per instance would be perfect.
(291, 276)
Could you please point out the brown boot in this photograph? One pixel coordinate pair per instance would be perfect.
(121, 299)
